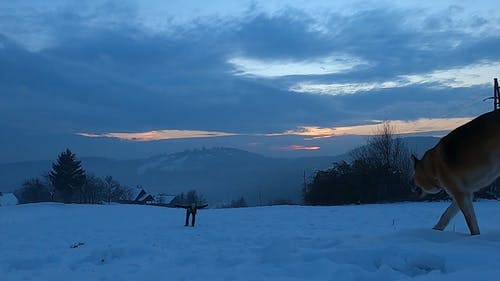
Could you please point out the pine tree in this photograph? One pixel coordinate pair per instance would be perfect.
(67, 175)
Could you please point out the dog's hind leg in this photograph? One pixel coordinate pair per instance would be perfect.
(465, 203)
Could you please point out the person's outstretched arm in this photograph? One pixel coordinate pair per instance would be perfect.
(202, 206)
(180, 206)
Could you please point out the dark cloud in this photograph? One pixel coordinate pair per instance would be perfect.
(107, 90)
(104, 72)
(418, 102)
(288, 34)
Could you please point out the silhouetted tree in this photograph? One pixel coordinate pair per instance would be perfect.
(67, 176)
(238, 203)
(97, 190)
(187, 199)
(32, 191)
(193, 197)
(277, 202)
(93, 191)
(114, 191)
(386, 164)
(179, 199)
(379, 172)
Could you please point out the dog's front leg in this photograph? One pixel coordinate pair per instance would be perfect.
(446, 217)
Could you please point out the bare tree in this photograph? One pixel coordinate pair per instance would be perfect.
(386, 149)
(114, 191)
(34, 190)
(93, 191)
(386, 152)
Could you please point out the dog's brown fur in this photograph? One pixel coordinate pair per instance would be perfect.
(464, 161)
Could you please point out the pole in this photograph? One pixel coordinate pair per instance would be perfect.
(305, 183)
(496, 94)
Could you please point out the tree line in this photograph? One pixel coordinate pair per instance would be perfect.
(68, 182)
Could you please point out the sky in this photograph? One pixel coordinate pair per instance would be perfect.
(128, 79)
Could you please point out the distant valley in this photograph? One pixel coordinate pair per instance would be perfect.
(219, 174)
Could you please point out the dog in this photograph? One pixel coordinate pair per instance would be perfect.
(464, 161)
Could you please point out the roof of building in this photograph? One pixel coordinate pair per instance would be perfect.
(164, 198)
(139, 194)
(8, 199)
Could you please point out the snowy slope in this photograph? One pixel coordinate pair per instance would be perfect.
(371, 242)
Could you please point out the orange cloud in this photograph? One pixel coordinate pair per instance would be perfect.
(159, 135)
(312, 132)
(402, 127)
(423, 125)
(300, 147)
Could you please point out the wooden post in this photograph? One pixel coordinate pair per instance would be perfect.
(305, 183)
(496, 94)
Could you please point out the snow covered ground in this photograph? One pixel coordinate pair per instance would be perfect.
(125, 242)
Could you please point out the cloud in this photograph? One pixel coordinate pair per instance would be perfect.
(110, 67)
(159, 135)
(299, 147)
(310, 132)
(344, 88)
(276, 68)
(39, 26)
(131, 81)
(478, 74)
(287, 34)
(422, 125)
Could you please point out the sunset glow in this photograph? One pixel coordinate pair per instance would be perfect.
(159, 135)
(423, 125)
(310, 133)
(300, 147)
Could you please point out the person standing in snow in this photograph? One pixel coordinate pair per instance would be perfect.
(191, 210)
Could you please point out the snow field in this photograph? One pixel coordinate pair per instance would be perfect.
(128, 242)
